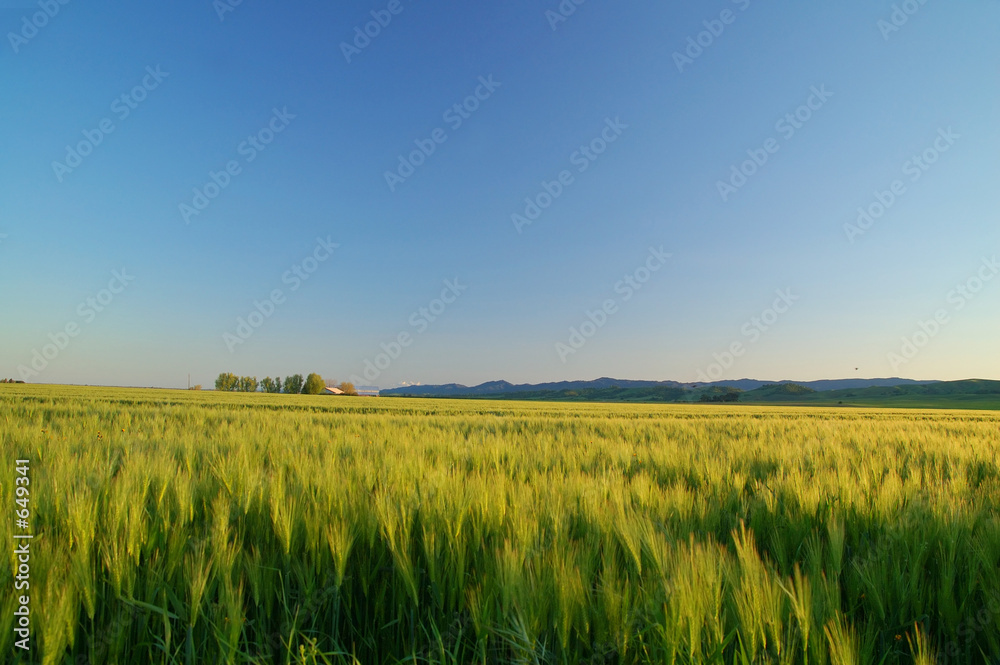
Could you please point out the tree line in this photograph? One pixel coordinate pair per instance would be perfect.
(730, 395)
(291, 385)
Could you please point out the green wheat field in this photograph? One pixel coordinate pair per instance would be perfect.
(196, 527)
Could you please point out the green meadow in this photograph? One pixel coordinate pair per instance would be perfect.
(200, 527)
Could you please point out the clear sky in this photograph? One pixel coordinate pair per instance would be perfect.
(668, 168)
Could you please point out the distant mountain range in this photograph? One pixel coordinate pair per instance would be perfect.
(492, 388)
(894, 392)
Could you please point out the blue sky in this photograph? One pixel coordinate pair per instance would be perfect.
(436, 260)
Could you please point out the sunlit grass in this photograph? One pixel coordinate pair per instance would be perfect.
(186, 527)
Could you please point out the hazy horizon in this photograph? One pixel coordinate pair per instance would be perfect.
(509, 192)
(210, 384)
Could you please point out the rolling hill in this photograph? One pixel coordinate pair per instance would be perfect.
(904, 393)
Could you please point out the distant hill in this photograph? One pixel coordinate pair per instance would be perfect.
(967, 394)
(970, 390)
(779, 391)
(506, 388)
(610, 394)
(843, 384)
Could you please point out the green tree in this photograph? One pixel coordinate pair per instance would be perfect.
(293, 384)
(348, 388)
(314, 384)
(248, 384)
(269, 385)
(227, 381)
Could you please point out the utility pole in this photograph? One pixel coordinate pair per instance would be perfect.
(189, 382)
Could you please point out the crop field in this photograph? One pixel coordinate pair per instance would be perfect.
(190, 527)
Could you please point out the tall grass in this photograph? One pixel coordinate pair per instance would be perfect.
(180, 528)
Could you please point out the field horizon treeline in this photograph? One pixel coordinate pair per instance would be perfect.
(293, 384)
(185, 527)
